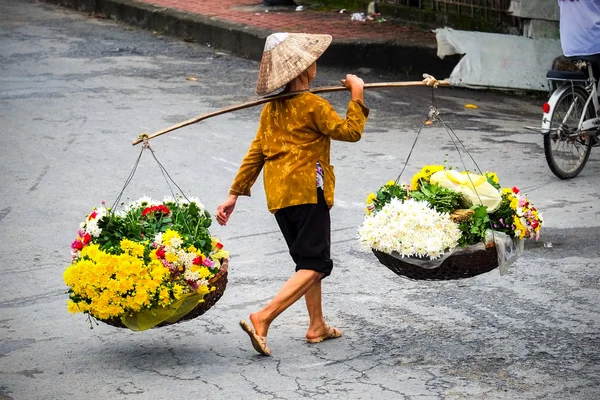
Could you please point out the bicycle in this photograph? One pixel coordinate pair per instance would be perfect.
(571, 120)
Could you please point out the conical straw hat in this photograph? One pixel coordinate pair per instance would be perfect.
(286, 56)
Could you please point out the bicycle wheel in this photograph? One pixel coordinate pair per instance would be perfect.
(566, 149)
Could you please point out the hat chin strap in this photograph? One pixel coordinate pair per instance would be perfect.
(275, 39)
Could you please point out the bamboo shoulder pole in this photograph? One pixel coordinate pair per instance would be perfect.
(266, 99)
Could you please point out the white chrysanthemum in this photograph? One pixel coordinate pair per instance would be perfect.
(411, 228)
(186, 259)
(176, 242)
(91, 226)
(191, 276)
(93, 229)
(145, 201)
(169, 199)
(142, 202)
(158, 238)
(197, 202)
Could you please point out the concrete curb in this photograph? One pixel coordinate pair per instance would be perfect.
(248, 42)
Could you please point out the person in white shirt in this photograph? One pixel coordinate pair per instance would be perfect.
(580, 30)
(580, 27)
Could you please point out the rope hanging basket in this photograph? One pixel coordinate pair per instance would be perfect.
(148, 263)
(447, 224)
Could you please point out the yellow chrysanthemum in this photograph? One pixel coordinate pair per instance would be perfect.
(170, 257)
(203, 290)
(177, 291)
(72, 307)
(220, 254)
(371, 197)
(424, 174)
(92, 251)
(204, 272)
(133, 248)
(141, 298)
(519, 228)
(168, 235)
(158, 271)
(164, 296)
(493, 176)
(390, 183)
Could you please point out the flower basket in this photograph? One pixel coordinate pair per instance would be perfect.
(147, 265)
(448, 225)
(457, 266)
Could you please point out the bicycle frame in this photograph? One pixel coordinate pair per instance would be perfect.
(592, 96)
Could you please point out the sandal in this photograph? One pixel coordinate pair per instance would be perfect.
(332, 333)
(258, 342)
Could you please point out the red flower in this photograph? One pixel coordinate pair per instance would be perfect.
(87, 238)
(77, 245)
(515, 190)
(160, 253)
(197, 260)
(161, 208)
(164, 209)
(219, 245)
(92, 216)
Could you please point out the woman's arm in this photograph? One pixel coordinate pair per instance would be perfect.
(249, 170)
(356, 86)
(347, 129)
(247, 174)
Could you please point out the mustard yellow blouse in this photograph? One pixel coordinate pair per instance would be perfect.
(293, 135)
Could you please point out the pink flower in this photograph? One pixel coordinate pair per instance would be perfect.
(523, 202)
(208, 262)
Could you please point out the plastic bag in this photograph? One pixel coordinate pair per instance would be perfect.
(143, 320)
(509, 249)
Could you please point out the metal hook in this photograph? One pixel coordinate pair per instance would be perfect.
(433, 113)
(145, 140)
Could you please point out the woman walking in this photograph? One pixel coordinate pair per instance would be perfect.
(292, 148)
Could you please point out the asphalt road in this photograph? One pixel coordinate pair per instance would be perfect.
(76, 90)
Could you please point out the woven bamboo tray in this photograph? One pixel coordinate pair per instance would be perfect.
(219, 281)
(456, 266)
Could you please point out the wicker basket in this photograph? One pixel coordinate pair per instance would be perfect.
(219, 281)
(456, 266)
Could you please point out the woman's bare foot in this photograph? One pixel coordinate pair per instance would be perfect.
(321, 333)
(260, 326)
(258, 342)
